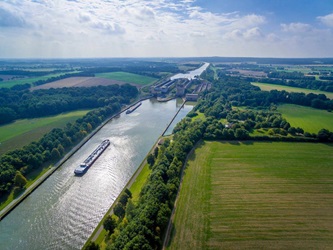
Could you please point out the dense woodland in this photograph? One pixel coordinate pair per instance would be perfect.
(17, 164)
(18, 104)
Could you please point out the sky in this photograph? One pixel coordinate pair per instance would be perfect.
(165, 28)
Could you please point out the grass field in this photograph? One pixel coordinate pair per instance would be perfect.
(22, 132)
(128, 77)
(269, 87)
(256, 196)
(310, 119)
(11, 83)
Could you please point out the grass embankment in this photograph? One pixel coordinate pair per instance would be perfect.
(310, 119)
(269, 87)
(128, 77)
(22, 132)
(256, 196)
(30, 80)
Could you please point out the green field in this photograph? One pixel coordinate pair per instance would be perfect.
(269, 87)
(11, 83)
(256, 195)
(310, 119)
(22, 132)
(128, 77)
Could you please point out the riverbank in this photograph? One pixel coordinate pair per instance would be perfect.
(12, 205)
(96, 235)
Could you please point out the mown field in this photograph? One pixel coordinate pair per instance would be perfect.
(310, 119)
(269, 87)
(128, 77)
(11, 83)
(256, 196)
(22, 132)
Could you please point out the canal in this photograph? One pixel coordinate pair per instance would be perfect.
(63, 212)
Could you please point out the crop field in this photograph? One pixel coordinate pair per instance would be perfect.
(256, 195)
(269, 87)
(78, 82)
(22, 132)
(128, 77)
(310, 119)
(11, 83)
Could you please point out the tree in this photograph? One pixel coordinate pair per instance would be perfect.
(323, 135)
(151, 160)
(109, 224)
(20, 180)
(55, 154)
(123, 199)
(119, 210)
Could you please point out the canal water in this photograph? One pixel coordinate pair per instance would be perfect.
(192, 74)
(63, 212)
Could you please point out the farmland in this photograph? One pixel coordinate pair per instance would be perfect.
(128, 77)
(269, 87)
(256, 196)
(11, 83)
(78, 82)
(22, 132)
(310, 119)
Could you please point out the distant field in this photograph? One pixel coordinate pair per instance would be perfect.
(310, 119)
(256, 196)
(128, 77)
(22, 132)
(78, 82)
(11, 83)
(269, 87)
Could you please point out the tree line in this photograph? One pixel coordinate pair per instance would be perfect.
(19, 104)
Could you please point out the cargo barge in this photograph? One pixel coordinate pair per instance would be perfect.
(131, 109)
(84, 166)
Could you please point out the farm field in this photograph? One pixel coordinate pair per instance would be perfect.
(128, 77)
(22, 132)
(310, 119)
(78, 82)
(269, 87)
(256, 195)
(11, 83)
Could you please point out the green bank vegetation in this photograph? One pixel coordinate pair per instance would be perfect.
(255, 195)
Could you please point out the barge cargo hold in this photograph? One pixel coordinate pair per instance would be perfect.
(84, 166)
(131, 109)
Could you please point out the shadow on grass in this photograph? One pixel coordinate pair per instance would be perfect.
(172, 235)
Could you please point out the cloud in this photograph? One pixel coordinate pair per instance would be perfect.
(9, 19)
(84, 18)
(108, 28)
(296, 27)
(327, 20)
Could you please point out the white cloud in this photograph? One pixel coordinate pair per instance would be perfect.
(296, 27)
(327, 20)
